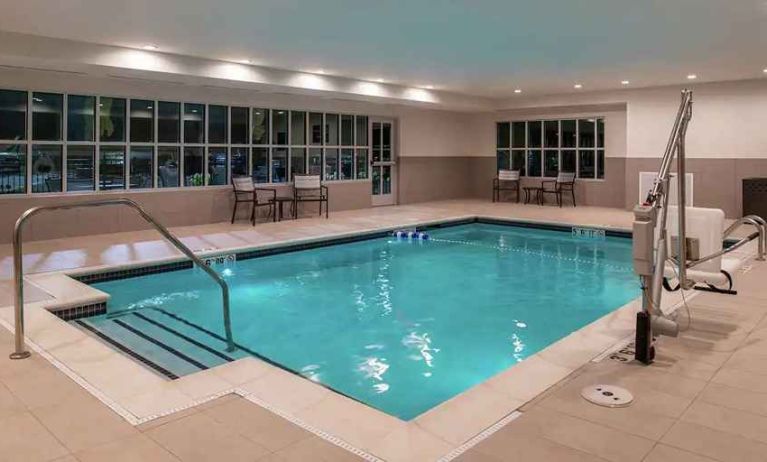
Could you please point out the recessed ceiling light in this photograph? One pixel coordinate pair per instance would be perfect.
(320, 71)
(578, 86)
(764, 70)
(379, 80)
(692, 77)
(518, 90)
(429, 87)
(244, 61)
(625, 82)
(150, 47)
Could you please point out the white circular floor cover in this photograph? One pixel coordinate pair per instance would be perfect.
(607, 395)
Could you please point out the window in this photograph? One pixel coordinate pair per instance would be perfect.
(81, 118)
(280, 127)
(315, 161)
(331, 129)
(111, 119)
(193, 162)
(47, 119)
(239, 125)
(46, 168)
(297, 128)
(297, 161)
(141, 121)
(168, 122)
(279, 165)
(315, 128)
(260, 162)
(239, 159)
(81, 168)
(218, 159)
(167, 167)
(194, 123)
(362, 131)
(13, 116)
(141, 167)
(346, 171)
(544, 148)
(13, 168)
(218, 124)
(112, 167)
(260, 128)
(362, 162)
(347, 130)
(331, 164)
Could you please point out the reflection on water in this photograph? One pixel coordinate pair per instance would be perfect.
(422, 343)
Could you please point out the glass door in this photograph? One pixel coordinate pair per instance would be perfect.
(383, 163)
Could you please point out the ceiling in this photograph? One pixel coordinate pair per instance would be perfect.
(475, 47)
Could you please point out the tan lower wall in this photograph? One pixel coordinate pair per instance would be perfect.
(424, 179)
(171, 208)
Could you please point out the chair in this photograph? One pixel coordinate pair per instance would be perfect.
(507, 178)
(246, 191)
(564, 183)
(309, 188)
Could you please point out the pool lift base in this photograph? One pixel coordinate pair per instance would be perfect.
(607, 395)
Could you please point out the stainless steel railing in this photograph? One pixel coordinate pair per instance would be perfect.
(18, 271)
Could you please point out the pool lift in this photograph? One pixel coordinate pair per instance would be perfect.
(660, 238)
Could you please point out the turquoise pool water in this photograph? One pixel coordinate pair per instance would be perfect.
(403, 326)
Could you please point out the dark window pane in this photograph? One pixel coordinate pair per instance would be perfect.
(81, 167)
(503, 159)
(376, 183)
(239, 165)
(386, 179)
(331, 129)
(550, 163)
(586, 135)
(518, 161)
(260, 162)
(315, 161)
(315, 128)
(194, 123)
(534, 134)
(112, 120)
(600, 133)
(347, 130)
(362, 131)
(297, 128)
(168, 122)
(568, 161)
(218, 159)
(600, 164)
(502, 135)
(534, 162)
(331, 164)
(279, 165)
(586, 164)
(81, 118)
(280, 126)
(13, 169)
(297, 161)
(141, 121)
(141, 167)
(167, 167)
(362, 164)
(218, 124)
(13, 115)
(239, 125)
(47, 119)
(518, 133)
(551, 133)
(377, 142)
(112, 167)
(347, 164)
(568, 133)
(193, 161)
(46, 169)
(260, 126)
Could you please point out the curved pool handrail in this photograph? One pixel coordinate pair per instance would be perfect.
(20, 351)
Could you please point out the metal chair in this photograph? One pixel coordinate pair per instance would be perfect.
(505, 178)
(309, 188)
(565, 182)
(246, 191)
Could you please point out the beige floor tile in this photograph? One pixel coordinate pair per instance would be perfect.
(285, 391)
(258, 424)
(527, 379)
(410, 444)
(167, 418)
(729, 420)
(316, 450)
(749, 363)
(474, 455)
(23, 438)
(44, 387)
(200, 438)
(663, 453)
(507, 445)
(9, 404)
(242, 371)
(161, 399)
(133, 448)
(735, 398)
(722, 446)
(83, 423)
(737, 378)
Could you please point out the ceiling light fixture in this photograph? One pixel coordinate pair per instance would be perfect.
(764, 70)
(577, 86)
(379, 80)
(692, 77)
(625, 82)
(429, 87)
(149, 47)
(244, 61)
(518, 90)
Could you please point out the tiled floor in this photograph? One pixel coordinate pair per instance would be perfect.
(705, 398)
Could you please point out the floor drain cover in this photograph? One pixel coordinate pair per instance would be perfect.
(607, 395)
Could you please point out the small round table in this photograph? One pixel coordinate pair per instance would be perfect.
(533, 190)
(279, 202)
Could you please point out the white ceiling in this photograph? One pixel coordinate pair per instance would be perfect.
(480, 47)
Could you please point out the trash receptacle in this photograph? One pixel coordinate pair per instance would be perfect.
(755, 197)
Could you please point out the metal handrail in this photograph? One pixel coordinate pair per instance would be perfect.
(757, 222)
(18, 271)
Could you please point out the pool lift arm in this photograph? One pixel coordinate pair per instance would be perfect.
(649, 255)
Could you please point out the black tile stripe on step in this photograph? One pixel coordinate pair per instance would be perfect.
(185, 337)
(165, 347)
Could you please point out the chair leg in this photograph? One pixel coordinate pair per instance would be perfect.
(253, 214)
(327, 208)
(573, 193)
(234, 211)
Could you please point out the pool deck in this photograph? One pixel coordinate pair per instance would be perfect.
(704, 398)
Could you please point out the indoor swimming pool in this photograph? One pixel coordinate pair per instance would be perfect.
(399, 325)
